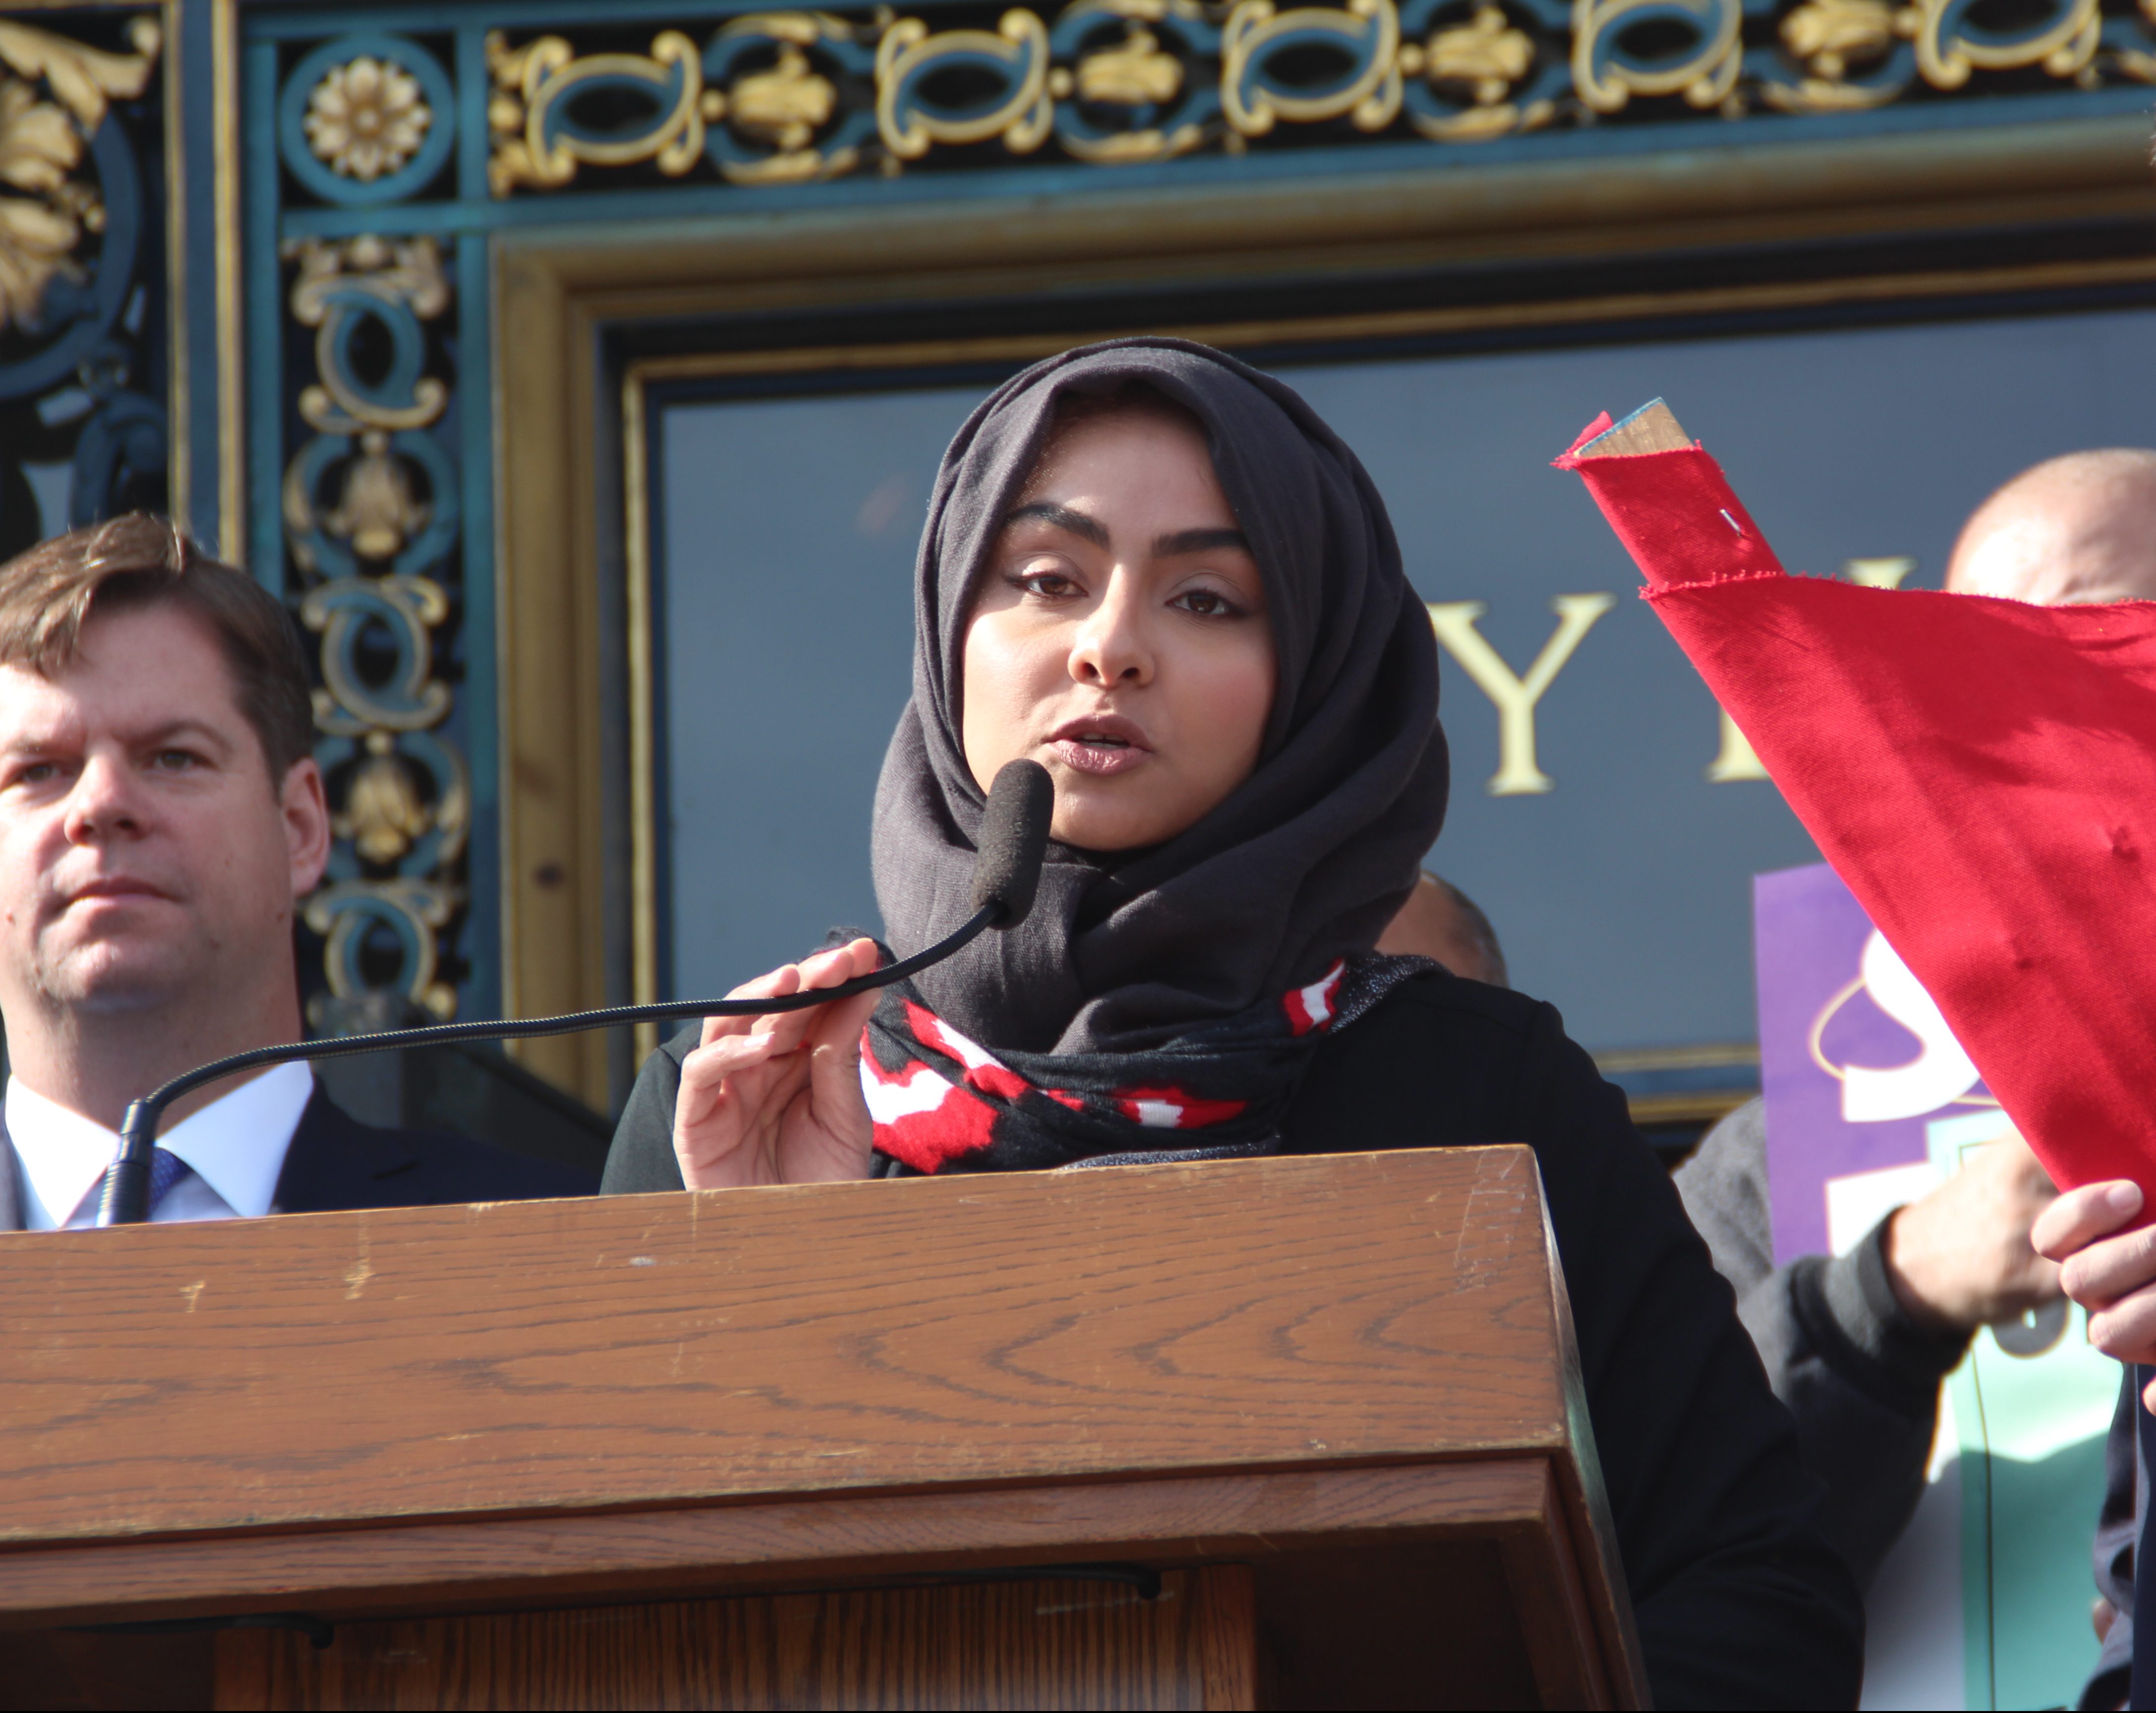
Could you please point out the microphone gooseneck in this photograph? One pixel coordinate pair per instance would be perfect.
(1006, 875)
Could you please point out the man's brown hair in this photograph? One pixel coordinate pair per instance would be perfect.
(49, 593)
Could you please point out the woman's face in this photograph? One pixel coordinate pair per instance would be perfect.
(1120, 637)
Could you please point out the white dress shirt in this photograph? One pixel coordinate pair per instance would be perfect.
(234, 1148)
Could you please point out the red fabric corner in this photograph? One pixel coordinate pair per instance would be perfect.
(1677, 517)
(1594, 431)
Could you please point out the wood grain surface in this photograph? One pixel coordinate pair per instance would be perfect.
(1048, 1644)
(638, 1352)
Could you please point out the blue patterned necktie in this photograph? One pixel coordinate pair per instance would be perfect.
(167, 1169)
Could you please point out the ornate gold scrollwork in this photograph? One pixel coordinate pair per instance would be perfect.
(413, 910)
(1483, 59)
(2137, 63)
(384, 814)
(367, 118)
(395, 281)
(360, 529)
(407, 608)
(1487, 53)
(377, 511)
(1829, 38)
(1135, 74)
(793, 97)
(909, 120)
(42, 143)
(83, 79)
(785, 105)
(1945, 55)
(1149, 95)
(537, 138)
(787, 122)
(1606, 77)
(1369, 31)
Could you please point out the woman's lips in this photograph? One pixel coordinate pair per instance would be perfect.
(1103, 760)
(1103, 745)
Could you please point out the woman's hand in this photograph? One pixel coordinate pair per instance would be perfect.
(2113, 1276)
(777, 1099)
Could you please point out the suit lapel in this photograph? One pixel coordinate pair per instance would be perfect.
(336, 1163)
(11, 1185)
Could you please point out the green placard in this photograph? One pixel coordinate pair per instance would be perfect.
(2030, 1405)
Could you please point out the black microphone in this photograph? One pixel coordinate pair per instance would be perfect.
(1014, 841)
(1006, 875)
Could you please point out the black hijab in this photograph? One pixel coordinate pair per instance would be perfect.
(1304, 864)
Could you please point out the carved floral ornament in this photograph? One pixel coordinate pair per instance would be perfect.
(367, 118)
(794, 96)
(53, 95)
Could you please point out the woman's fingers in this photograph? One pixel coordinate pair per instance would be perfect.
(835, 1048)
(785, 979)
(838, 1138)
(701, 1127)
(825, 969)
(732, 1054)
(840, 963)
(2080, 1217)
(739, 1115)
(733, 1102)
(754, 1040)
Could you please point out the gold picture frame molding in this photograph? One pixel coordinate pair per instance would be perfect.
(224, 287)
(557, 291)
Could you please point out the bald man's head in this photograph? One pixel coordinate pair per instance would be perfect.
(2080, 528)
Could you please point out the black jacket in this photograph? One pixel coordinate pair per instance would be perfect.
(1862, 1378)
(1740, 1604)
(336, 1162)
(2119, 1526)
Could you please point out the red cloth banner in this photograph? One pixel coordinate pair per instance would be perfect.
(1981, 773)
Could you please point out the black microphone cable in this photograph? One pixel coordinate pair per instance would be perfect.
(1006, 875)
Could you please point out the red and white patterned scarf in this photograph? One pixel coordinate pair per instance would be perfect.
(940, 1102)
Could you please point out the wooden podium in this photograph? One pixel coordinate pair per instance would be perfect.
(1300, 1432)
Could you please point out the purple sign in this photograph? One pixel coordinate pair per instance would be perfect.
(1854, 1060)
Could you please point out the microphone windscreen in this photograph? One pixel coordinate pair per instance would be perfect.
(1013, 840)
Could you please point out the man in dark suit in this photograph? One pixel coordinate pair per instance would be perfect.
(160, 815)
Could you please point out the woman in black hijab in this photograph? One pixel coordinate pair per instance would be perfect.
(1155, 571)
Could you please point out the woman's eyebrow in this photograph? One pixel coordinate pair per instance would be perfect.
(1076, 523)
(1198, 541)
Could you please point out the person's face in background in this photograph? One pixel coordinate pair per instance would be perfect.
(1432, 925)
(1120, 636)
(145, 854)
